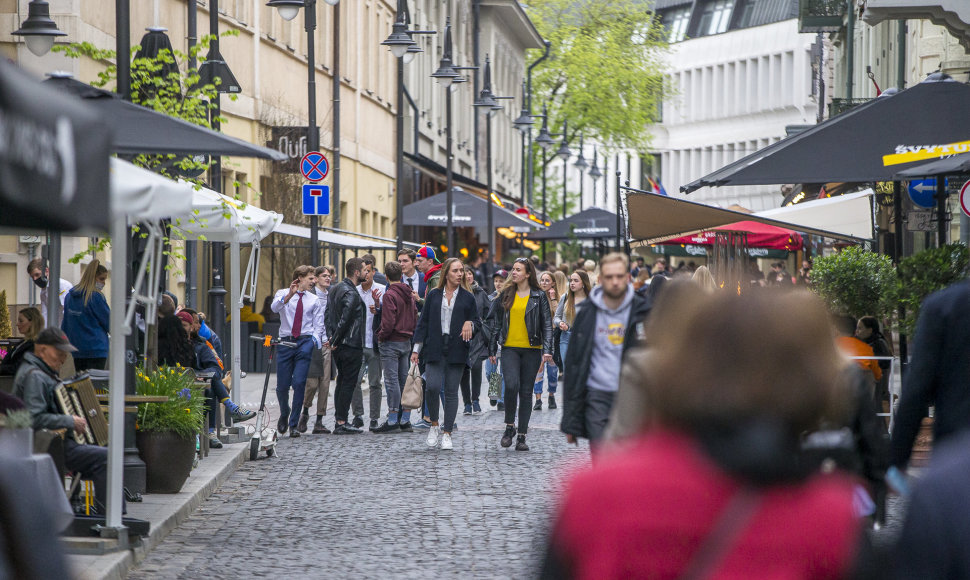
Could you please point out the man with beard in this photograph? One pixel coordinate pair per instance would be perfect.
(606, 325)
(345, 319)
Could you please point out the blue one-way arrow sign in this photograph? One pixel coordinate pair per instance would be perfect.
(316, 199)
(922, 192)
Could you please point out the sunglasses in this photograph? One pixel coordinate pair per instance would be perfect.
(521, 261)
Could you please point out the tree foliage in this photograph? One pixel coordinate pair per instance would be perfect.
(855, 282)
(5, 327)
(926, 272)
(605, 71)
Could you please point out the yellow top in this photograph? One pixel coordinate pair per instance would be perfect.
(518, 336)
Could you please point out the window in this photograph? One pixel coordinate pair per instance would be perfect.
(715, 17)
(676, 22)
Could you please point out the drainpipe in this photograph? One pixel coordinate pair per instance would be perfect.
(901, 55)
(850, 49)
(476, 50)
(528, 91)
(414, 107)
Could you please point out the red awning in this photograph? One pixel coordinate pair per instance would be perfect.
(759, 236)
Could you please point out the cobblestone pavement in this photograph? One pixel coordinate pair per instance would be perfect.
(378, 506)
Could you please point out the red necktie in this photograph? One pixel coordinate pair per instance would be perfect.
(298, 317)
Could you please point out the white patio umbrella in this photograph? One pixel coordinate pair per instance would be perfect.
(219, 218)
(137, 195)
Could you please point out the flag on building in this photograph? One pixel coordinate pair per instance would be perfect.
(656, 187)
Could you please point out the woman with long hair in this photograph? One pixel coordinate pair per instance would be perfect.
(471, 379)
(520, 321)
(579, 289)
(87, 318)
(448, 322)
(29, 323)
(551, 286)
(174, 344)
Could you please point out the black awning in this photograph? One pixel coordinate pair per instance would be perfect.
(438, 171)
(54, 154)
(592, 223)
(851, 147)
(467, 210)
(138, 129)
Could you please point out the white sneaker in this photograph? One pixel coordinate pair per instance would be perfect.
(433, 434)
(446, 442)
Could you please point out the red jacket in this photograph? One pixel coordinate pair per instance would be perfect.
(399, 314)
(643, 512)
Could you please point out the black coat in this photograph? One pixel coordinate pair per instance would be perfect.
(346, 315)
(538, 322)
(479, 345)
(581, 339)
(938, 373)
(429, 331)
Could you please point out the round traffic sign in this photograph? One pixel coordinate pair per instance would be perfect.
(314, 166)
(965, 198)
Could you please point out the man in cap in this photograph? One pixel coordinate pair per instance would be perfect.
(426, 261)
(34, 384)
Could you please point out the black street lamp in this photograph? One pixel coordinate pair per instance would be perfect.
(595, 173)
(288, 10)
(39, 29)
(581, 165)
(564, 153)
(489, 102)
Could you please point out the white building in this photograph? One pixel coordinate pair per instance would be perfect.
(741, 73)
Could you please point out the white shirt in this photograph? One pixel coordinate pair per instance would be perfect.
(312, 324)
(323, 295)
(447, 308)
(368, 299)
(413, 282)
(62, 295)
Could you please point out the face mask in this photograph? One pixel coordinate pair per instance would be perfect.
(99, 286)
(41, 282)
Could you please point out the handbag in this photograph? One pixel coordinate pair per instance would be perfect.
(495, 384)
(413, 394)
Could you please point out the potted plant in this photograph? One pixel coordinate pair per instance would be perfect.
(166, 431)
(855, 282)
(926, 272)
(16, 433)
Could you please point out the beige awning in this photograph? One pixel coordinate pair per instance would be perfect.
(656, 218)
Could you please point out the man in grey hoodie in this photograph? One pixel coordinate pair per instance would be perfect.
(606, 325)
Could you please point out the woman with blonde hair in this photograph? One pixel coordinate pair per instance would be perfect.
(704, 279)
(731, 384)
(579, 289)
(554, 289)
(29, 323)
(87, 317)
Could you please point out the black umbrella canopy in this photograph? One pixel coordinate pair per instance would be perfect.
(851, 147)
(140, 130)
(592, 223)
(468, 210)
(53, 157)
(954, 164)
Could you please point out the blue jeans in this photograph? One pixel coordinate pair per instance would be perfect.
(553, 372)
(394, 361)
(491, 368)
(292, 365)
(563, 345)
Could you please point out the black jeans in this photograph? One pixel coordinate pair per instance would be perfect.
(471, 383)
(215, 394)
(348, 361)
(91, 462)
(83, 364)
(444, 377)
(519, 368)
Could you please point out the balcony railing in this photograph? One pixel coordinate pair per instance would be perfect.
(839, 106)
(820, 15)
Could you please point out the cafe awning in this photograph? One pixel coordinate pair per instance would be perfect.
(760, 235)
(591, 223)
(333, 239)
(467, 210)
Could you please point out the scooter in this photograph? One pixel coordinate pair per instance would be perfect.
(265, 437)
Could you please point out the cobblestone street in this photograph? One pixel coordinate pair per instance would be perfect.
(372, 506)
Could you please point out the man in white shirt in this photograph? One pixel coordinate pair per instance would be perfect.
(301, 330)
(410, 276)
(371, 293)
(318, 378)
(39, 273)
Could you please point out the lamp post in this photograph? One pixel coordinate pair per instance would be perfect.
(564, 154)
(581, 165)
(595, 173)
(39, 31)
(544, 139)
(288, 10)
(489, 102)
(402, 45)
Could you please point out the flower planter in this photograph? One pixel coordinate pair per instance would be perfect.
(168, 460)
(16, 442)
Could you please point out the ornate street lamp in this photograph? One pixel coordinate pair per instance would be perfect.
(39, 29)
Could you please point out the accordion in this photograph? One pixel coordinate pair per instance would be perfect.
(76, 396)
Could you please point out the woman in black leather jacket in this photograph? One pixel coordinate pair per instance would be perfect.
(520, 320)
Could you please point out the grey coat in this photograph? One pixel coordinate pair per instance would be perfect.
(34, 384)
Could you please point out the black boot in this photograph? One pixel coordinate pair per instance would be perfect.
(304, 418)
(520, 444)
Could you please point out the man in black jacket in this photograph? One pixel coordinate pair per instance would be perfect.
(606, 325)
(939, 372)
(345, 319)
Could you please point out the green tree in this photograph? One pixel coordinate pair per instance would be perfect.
(605, 71)
(5, 328)
(855, 282)
(926, 272)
